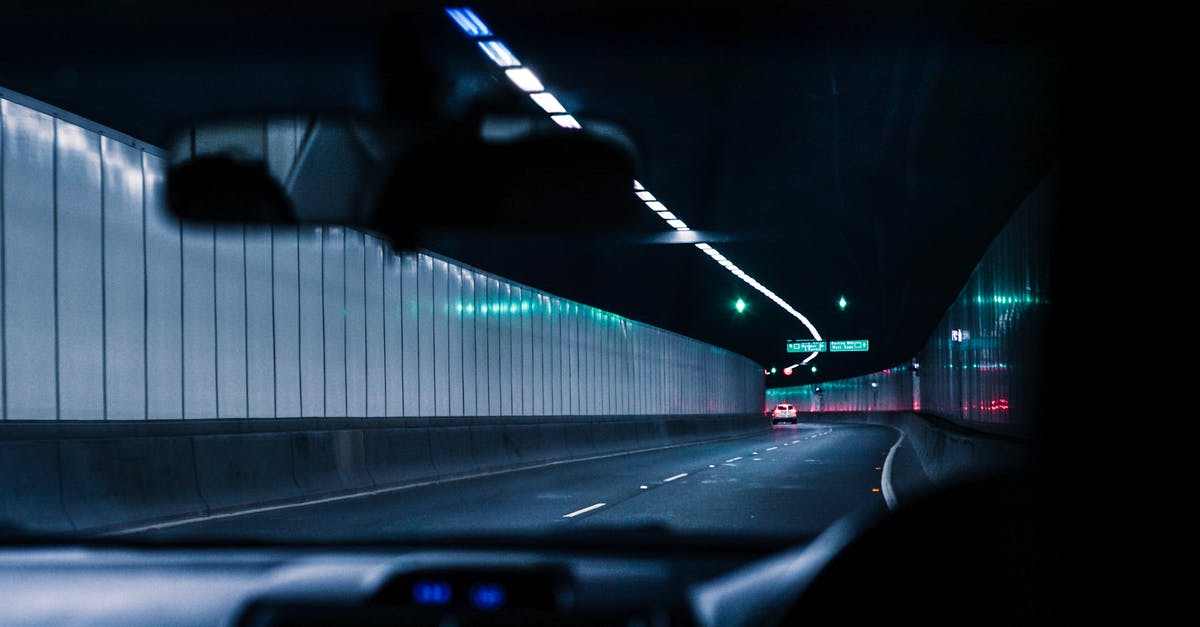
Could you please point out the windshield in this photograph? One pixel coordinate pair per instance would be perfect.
(467, 271)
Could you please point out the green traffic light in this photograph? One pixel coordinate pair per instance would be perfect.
(814, 370)
(842, 303)
(740, 305)
(772, 369)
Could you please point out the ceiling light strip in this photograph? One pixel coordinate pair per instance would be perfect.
(521, 76)
(527, 81)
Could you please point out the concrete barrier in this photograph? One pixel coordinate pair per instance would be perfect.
(29, 485)
(489, 448)
(399, 455)
(606, 436)
(577, 441)
(946, 452)
(526, 443)
(245, 469)
(96, 476)
(554, 440)
(111, 482)
(949, 454)
(450, 451)
(327, 462)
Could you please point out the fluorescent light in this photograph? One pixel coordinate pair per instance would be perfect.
(667, 215)
(725, 262)
(524, 78)
(548, 102)
(656, 206)
(703, 246)
(469, 22)
(566, 121)
(677, 223)
(645, 195)
(637, 186)
(499, 53)
(683, 228)
(718, 256)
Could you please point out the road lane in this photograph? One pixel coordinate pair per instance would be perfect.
(794, 479)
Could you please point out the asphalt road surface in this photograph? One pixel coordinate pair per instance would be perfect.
(791, 480)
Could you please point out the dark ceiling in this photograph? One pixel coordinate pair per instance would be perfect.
(857, 150)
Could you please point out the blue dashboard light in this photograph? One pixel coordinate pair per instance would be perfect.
(488, 596)
(431, 593)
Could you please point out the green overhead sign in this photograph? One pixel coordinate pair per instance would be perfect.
(805, 346)
(849, 346)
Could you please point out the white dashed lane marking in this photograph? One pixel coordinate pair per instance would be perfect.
(584, 510)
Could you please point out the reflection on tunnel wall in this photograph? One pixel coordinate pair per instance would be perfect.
(980, 367)
(112, 310)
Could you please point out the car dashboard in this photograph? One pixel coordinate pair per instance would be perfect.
(144, 584)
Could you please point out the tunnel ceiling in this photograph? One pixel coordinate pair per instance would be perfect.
(856, 151)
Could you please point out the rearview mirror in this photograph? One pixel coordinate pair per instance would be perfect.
(494, 177)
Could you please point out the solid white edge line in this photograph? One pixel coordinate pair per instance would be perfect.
(584, 510)
(772, 448)
(885, 482)
(730, 461)
(678, 476)
(388, 490)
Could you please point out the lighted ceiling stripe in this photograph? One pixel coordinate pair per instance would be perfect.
(499, 53)
(566, 121)
(548, 102)
(527, 81)
(468, 22)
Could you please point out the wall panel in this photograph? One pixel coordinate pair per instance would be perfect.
(312, 321)
(440, 291)
(470, 367)
(355, 316)
(376, 344)
(285, 305)
(124, 281)
(230, 259)
(426, 338)
(411, 335)
(454, 346)
(333, 290)
(505, 366)
(514, 316)
(260, 323)
(28, 263)
(393, 328)
(199, 323)
(164, 300)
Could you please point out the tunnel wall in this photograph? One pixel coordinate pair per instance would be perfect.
(892, 391)
(112, 310)
(980, 368)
